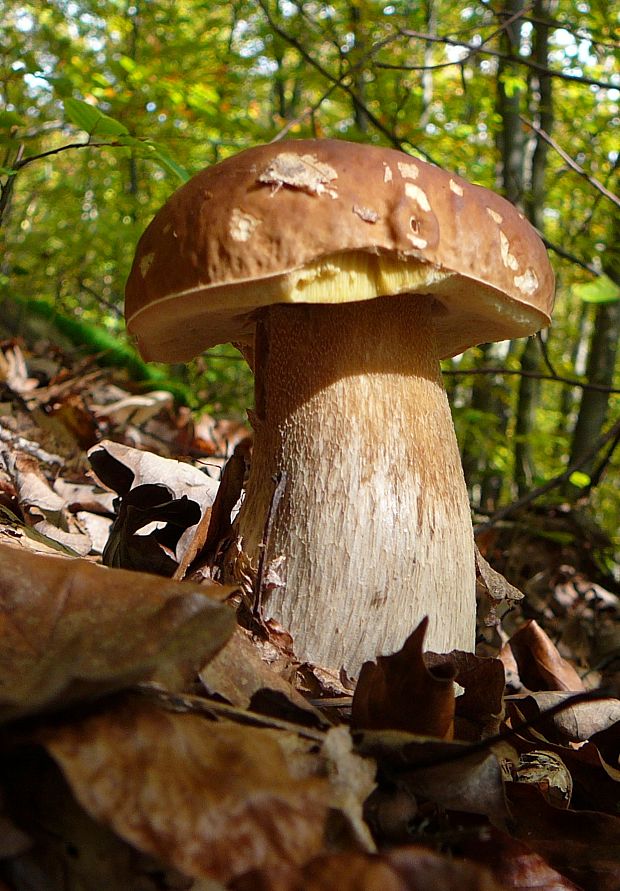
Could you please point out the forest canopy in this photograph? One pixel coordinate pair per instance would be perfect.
(107, 106)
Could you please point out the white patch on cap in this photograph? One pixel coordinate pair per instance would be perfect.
(408, 170)
(528, 282)
(242, 225)
(495, 215)
(387, 174)
(508, 259)
(366, 213)
(304, 172)
(454, 187)
(418, 242)
(418, 195)
(145, 263)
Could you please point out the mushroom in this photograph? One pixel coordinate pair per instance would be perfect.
(349, 271)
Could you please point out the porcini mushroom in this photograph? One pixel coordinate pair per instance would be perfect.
(351, 271)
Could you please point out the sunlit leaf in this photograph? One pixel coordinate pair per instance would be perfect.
(580, 479)
(89, 118)
(601, 290)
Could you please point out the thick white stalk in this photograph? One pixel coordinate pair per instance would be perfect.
(373, 530)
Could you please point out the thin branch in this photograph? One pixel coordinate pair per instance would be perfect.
(571, 163)
(566, 255)
(545, 354)
(553, 483)
(338, 82)
(7, 189)
(571, 382)
(479, 49)
(64, 148)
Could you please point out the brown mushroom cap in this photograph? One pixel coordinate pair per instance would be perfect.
(235, 237)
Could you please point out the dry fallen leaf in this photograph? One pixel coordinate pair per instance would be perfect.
(583, 845)
(70, 629)
(162, 502)
(540, 665)
(213, 799)
(479, 708)
(400, 692)
(239, 675)
(575, 723)
(457, 776)
(413, 868)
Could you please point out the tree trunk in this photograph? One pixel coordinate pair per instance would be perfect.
(601, 364)
(529, 388)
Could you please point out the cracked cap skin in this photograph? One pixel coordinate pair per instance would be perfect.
(306, 221)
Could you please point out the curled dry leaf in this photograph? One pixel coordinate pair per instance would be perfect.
(157, 523)
(479, 708)
(575, 723)
(401, 692)
(540, 665)
(495, 591)
(71, 630)
(548, 772)
(213, 799)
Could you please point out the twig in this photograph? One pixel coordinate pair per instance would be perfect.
(561, 252)
(278, 492)
(463, 751)
(339, 82)
(601, 388)
(504, 512)
(7, 189)
(517, 60)
(571, 162)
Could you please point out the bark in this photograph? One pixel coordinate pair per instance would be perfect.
(357, 54)
(373, 530)
(510, 143)
(511, 139)
(529, 388)
(602, 355)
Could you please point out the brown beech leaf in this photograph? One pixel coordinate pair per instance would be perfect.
(513, 864)
(595, 781)
(214, 799)
(239, 675)
(499, 595)
(162, 504)
(399, 692)
(71, 630)
(540, 665)
(452, 774)
(479, 708)
(575, 723)
(413, 868)
(583, 845)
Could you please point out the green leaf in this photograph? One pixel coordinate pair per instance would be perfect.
(10, 119)
(601, 290)
(157, 153)
(94, 122)
(580, 479)
(7, 171)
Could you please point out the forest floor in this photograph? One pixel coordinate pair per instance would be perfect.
(149, 742)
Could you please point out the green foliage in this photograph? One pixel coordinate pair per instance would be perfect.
(601, 290)
(157, 91)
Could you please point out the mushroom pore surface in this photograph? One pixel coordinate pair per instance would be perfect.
(373, 530)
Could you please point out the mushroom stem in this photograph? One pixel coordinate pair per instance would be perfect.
(374, 525)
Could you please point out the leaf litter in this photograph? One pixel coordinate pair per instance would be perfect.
(150, 742)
